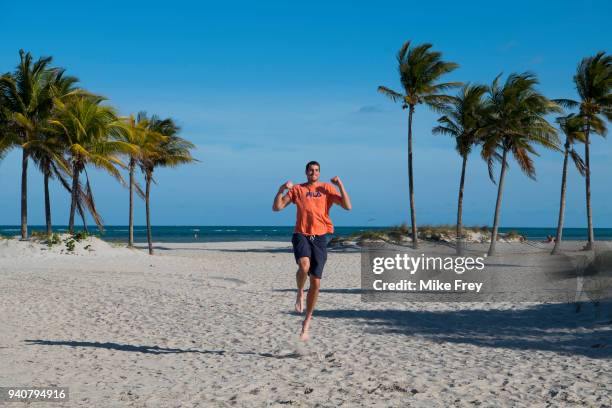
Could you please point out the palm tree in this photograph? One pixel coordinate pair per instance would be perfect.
(47, 149)
(514, 124)
(463, 120)
(573, 128)
(89, 129)
(420, 70)
(28, 101)
(593, 81)
(138, 133)
(169, 150)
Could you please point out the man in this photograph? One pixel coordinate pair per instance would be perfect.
(313, 200)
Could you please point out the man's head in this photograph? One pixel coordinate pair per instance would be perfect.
(312, 171)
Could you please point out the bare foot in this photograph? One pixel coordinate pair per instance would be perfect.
(299, 302)
(304, 335)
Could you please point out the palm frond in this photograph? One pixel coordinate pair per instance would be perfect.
(490, 169)
(139, 190)
(580, 166)
(394, 96)
(88, 199)
(524, 161)
(567, 103)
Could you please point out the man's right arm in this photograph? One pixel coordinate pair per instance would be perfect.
(281, 201)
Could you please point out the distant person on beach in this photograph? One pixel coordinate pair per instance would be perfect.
(313, 200)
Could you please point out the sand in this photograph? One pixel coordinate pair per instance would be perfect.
(211, 325)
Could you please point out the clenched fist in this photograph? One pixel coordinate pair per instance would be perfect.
(287, 186)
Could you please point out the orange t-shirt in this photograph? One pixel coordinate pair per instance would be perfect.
(313, 203)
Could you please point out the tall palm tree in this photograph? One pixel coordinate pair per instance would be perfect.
(463, 120)
(420, 70)
(516, 121)
(573, 128)
(168, 151)
(46, 148)
(593, 81)
(89, 129)
(27, 98)
(141, 135)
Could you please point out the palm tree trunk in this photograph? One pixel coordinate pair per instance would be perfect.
(500, 189)
(131, 216)
(562, 202)
(415, 240)
(460, 208)
(591, 236)
(147, 193)
(24, 194)
(75, 195)
(48, 203)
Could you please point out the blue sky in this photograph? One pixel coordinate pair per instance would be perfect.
(264, 88)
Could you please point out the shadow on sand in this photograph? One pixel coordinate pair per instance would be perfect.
(121, 347)
(152, 349)
(547, 327)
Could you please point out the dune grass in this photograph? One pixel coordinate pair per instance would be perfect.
(398, 234)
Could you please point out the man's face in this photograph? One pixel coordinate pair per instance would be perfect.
(312, 173)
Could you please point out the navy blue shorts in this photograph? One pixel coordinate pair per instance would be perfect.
(313, 247)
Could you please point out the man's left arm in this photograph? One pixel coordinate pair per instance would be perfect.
(345, 201)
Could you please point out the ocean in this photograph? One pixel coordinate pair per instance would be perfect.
(196, 233)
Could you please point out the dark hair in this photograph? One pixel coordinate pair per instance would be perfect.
(312, 163)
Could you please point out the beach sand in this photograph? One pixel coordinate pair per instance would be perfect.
(211, 325)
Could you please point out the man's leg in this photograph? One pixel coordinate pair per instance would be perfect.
(317, 262)
(311, 301)
(300, 279)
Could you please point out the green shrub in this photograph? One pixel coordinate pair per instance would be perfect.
(39, 235)
(53, 240)
(70, 244)
(371, 235)
(81, 235)
(512, 234)
(400, 233)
